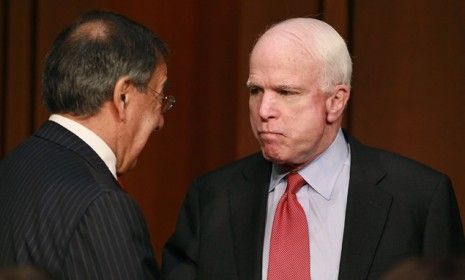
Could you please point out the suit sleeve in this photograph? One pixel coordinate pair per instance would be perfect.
(110, 242)
(443, 230)
(181, 251)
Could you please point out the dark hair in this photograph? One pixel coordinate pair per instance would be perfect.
(88, 58)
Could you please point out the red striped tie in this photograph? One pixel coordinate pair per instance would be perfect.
(289, 247)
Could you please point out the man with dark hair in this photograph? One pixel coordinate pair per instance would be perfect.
(61, 207)
(315, 203)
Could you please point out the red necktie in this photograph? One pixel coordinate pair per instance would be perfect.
(289, 246)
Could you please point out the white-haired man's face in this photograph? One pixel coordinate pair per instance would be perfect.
(288, 110)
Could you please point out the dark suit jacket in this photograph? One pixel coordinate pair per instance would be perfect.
(62, 210)
(396, 208)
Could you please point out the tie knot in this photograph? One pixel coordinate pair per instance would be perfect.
(294, 182)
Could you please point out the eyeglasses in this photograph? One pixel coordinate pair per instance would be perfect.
(167, 102)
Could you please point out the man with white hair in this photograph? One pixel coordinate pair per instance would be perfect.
(315, 203)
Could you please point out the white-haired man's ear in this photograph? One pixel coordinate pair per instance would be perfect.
(336, 103)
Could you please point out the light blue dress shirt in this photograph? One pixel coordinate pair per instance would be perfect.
(324, 200)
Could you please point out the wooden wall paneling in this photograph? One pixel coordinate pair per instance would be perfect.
(17, 96)
(35, 77)
(52, 17)
(255, 18)
(337, 13)
(32, 25)
(3, 57)
(408, 84)
(199, 132)
(168, 154)
(214, 92)
(166, 166)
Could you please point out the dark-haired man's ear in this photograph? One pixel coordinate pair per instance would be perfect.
(121, 96)
(336, 103)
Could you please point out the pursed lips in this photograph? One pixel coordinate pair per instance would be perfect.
(269, 135)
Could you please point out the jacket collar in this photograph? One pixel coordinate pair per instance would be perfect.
(248, 201)
(59, 135)
(366, 213)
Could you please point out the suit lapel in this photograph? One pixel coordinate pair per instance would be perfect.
(366, 213)
(248, 204)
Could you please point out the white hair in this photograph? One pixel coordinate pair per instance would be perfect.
(323, 44)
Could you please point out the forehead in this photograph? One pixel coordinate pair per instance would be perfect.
(279, 57)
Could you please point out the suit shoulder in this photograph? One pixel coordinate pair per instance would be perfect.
(54, 182)
(399, 163)
(232, 175)
(235, 168)
(400, 172)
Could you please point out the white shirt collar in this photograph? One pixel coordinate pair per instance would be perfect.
(93, 140)
(321, 174)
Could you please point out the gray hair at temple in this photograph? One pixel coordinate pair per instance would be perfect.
(323, 44)
(90, 56)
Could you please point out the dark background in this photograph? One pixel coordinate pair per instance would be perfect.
(408, 85)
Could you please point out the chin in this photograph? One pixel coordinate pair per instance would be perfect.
(280, 158)
(272, 155)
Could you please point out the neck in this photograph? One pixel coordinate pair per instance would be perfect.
(100, 124)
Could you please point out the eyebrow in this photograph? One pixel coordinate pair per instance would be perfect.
(283, 87)
(250, 84)
(287, 88)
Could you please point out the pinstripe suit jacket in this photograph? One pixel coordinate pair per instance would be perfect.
(63, 211)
